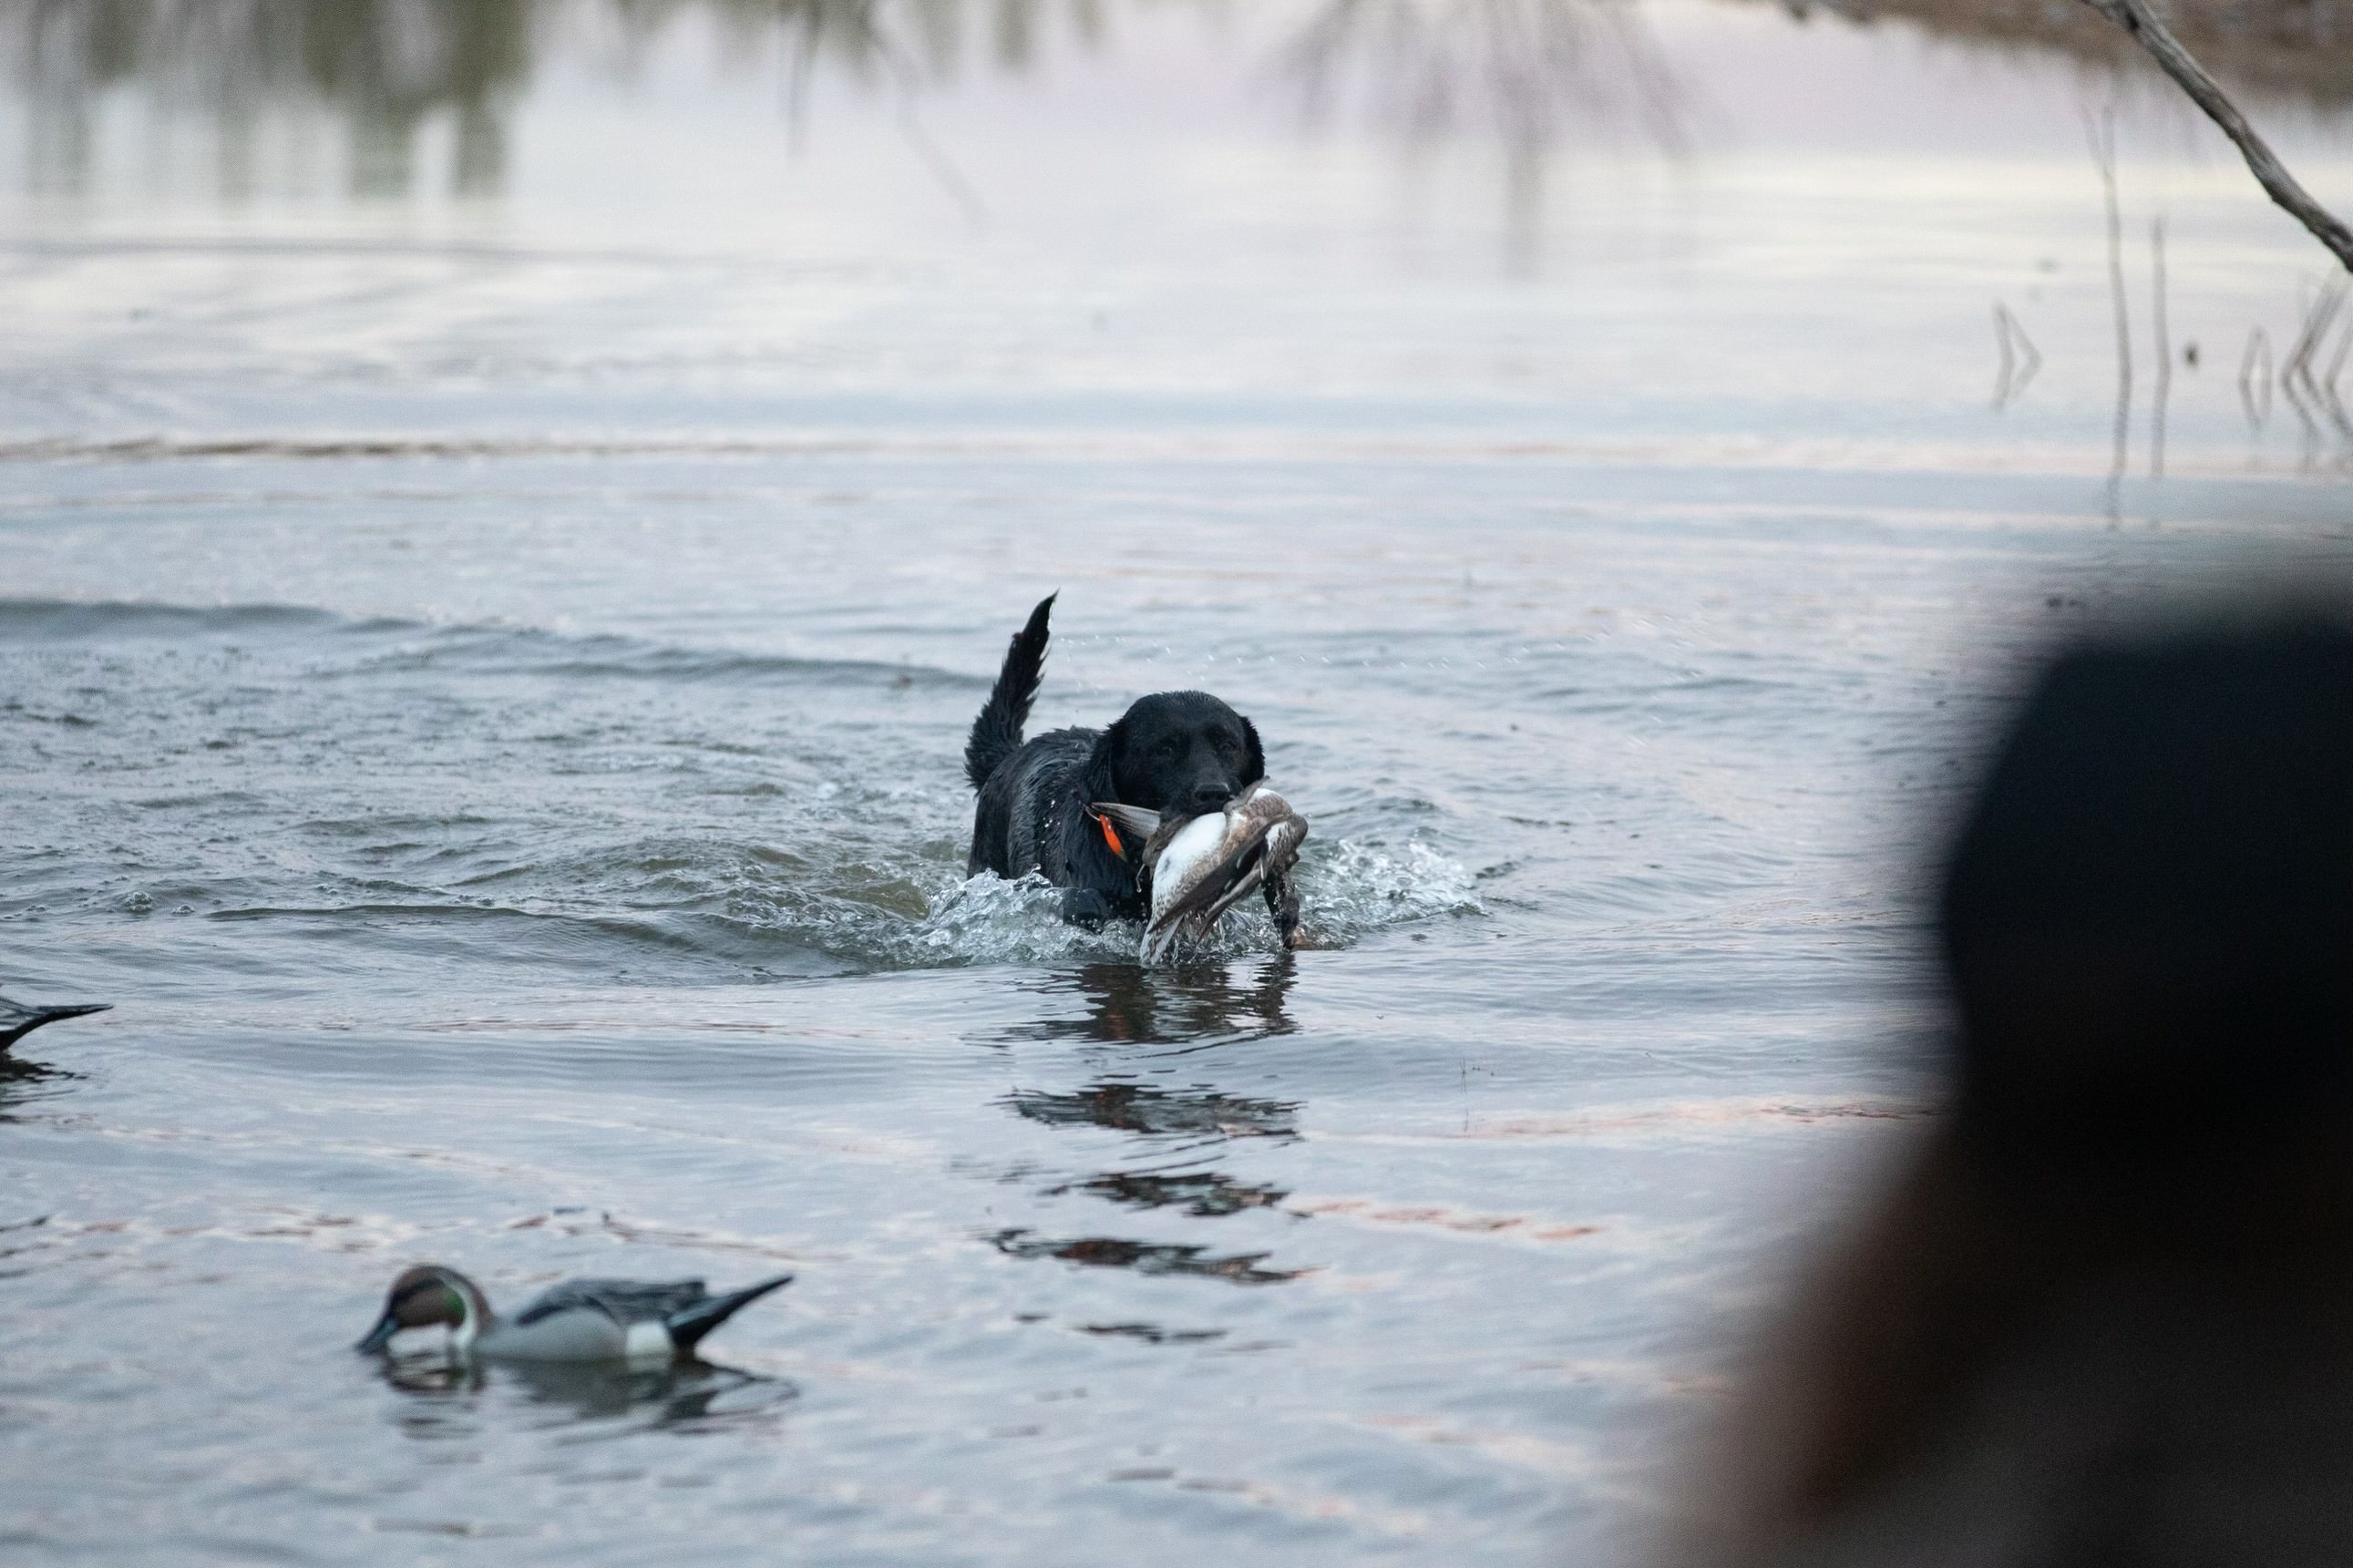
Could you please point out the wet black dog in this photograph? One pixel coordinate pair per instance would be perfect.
(1180, 750)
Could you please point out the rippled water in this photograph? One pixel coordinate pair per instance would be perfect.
(482, 678)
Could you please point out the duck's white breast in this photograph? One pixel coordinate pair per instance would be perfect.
(1196, 842)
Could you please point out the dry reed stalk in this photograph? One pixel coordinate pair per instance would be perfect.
(2164, 351)
(2102, 136)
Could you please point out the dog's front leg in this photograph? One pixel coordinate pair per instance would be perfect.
(1086, 907)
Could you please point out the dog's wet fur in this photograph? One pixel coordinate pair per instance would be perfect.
(1178, 752)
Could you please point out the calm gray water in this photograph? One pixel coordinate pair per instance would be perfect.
(493, 580)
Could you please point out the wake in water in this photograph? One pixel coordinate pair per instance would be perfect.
(254, 788)
(1347, 892)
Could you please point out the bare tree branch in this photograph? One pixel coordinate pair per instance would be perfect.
(2136, 19)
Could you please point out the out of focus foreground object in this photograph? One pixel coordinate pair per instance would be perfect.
(2106, 1314)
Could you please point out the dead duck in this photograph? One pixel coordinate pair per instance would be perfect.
(1197, 868)
(579, 1320)
(18, 1019)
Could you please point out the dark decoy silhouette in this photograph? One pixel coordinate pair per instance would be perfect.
(17, 1020)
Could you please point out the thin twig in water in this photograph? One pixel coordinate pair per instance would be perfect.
(2136, 19)
(1529, 68)
(2011, 340)
(2256, 380)
(2326, 385)
(2296, 379)
(2164, 352)
(2316, 333)
(2103, 133)
(2008, 360)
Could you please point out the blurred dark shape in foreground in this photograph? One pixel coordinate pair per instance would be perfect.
(2106, 1315)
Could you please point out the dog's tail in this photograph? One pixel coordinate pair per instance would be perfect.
(997, 733)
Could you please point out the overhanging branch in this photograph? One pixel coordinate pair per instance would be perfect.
(2136, 19)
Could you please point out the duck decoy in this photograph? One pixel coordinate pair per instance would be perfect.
(580, 1319)
(1197, 867)
(17, 1019)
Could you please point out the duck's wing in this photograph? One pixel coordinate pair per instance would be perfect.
(1215, 894)
(1188, 916)
(1236, 870)
(1267, 863)
(1260, 849)
(625, 1302)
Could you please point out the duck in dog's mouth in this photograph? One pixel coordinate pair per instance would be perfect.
(1197, 867)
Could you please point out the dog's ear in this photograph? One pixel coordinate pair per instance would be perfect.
(1255, 768)
(1100, 779)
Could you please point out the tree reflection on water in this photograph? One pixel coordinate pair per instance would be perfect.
(388, 68)
(1523, 72)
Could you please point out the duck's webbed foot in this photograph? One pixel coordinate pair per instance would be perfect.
(1282, 903)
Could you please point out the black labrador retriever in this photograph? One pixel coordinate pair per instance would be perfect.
(1183, 751)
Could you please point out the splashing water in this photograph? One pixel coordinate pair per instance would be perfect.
(1348, 892)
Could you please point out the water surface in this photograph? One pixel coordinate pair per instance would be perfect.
(492, 593)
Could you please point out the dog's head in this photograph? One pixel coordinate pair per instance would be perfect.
(1177, 752)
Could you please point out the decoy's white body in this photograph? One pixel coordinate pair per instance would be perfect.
(1199, 868)
(578, 1320)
